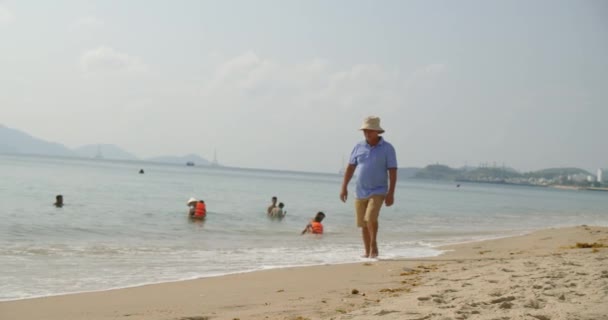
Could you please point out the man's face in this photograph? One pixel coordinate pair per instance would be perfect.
(274, 200)
(370, 135)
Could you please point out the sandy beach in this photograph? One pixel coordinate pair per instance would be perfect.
(543, 275)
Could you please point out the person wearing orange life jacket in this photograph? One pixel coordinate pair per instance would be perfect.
(198, 209)
(315, 226)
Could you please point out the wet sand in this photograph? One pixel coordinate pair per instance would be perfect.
(542, 275)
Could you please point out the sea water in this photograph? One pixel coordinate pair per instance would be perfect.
(119, 228)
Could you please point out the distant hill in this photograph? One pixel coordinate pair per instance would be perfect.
(13, 141)
(443, 172)
(196, 159)
(494, 172)
(107, 151)
(407, 173)
(17, 142)
(437, 172)
(556, 172)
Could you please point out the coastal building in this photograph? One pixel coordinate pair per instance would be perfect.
(599, 175)
(580, 177)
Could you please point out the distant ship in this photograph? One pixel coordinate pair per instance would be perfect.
(190, 163)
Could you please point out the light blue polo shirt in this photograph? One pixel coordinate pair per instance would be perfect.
(373, 163)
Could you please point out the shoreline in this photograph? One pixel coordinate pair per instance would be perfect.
(487, 237)
(396, 286)
(194, 278)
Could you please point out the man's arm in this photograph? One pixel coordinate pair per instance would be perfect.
(390, 195)
(350, 170)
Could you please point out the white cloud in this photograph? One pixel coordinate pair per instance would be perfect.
(265, 99)
(106, 59)
(424, 74)
(436, 68)
(88, 22)
(6, 16)
(248, 72)
(251, 82)
(249, 106)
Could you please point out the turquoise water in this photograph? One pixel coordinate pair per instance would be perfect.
(119, 228)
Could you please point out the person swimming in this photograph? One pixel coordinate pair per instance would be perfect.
(273, 204)
(58, 201)
(198, 209)
(278, 212)
(315, 226)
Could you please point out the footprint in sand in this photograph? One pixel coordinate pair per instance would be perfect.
(534, 303)
(497, 292)
(503, 299)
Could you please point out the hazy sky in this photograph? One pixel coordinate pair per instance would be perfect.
(285, 84)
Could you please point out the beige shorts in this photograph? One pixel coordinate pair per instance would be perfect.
(368, 209)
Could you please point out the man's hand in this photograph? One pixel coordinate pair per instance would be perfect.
(344, 195)
(389, 200)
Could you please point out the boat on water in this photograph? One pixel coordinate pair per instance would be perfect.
(190, 163)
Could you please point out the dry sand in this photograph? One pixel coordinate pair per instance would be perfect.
(540, 276)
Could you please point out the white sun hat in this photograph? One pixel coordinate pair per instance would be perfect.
(372, 123)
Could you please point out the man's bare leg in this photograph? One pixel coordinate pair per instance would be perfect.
(372, 230)
(366, 240)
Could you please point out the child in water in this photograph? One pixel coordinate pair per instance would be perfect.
(278, 212)
(315, 226)
(198, 209)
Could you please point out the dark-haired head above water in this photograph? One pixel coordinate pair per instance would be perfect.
(58, 201)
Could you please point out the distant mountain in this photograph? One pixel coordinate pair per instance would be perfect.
(493, 172)
(557, 172)
(17, 142)
(13, 141)
(194, 158)
(407, 173)
(105, 151)
(437, 172)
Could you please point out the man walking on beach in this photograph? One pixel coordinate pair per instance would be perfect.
(375, 183)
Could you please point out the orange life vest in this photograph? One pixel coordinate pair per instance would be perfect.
(317, 227)
(200, 211)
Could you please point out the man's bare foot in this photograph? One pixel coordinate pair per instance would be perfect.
(366, 255)
(374, 250)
